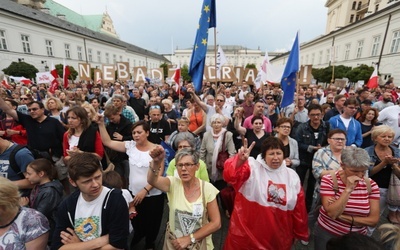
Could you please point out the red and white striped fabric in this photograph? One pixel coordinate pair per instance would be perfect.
(357, 205)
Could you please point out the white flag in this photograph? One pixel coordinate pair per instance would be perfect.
(262, 73)
(221, 60)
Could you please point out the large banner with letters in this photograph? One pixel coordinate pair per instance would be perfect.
(122, 71)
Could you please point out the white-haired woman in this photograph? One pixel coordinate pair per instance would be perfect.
(212, 145)
(350, 200)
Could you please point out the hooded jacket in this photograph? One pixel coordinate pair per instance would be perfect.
(114, 218)
(353, 131)
(45, 198)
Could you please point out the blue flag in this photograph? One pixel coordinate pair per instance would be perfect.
(288, 82)
(207, 20)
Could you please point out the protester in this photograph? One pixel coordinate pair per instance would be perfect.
(11, 129)
(278, 209)
(197, 119)
(194, 213)
(257, 134)
(384, 163)
(291, 152)
(212, 144)
(17, 230)
(93, 216)
(347, 204)
(368, 121)
(149, 201)
(183, 126)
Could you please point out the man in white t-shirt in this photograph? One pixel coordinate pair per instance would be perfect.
(93, 217)
(391, 116)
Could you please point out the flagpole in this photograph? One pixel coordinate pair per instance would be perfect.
(215, 56)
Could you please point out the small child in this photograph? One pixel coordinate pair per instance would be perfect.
(47, 193)
(112, 179)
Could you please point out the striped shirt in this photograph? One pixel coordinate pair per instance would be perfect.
(357, 205)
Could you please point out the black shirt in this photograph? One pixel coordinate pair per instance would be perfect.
(158, 131)
(43, 136)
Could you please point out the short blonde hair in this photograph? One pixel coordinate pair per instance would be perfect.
(92, 111)
(167, 101)
(184, 120)
(9, 195)
(381, 129)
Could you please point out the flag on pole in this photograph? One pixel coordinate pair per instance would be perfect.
(5, 83)
(198, 59)
(66, 74)
(262, 73)
(177, 77)
(289, 77)
(374, 79)
(54, 82)
(221, 60)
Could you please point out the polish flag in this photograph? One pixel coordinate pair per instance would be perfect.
(374, 79)
(177, 77)
(66, 74)
(54, 82)
(5, 84)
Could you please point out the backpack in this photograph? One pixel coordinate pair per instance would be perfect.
(13, 164)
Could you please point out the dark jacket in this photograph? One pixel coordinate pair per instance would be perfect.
(114, 219)
(139, 105)
(125, 129)
(306, 137)
(46, 198)
(331, 113)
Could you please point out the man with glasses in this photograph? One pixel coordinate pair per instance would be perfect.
(311, 136)
(211, 110)
(346, 122)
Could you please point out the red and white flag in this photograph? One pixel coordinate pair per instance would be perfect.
(66, 74)
(177, 77)
(54, 82)
(374, 79)
(5, 84)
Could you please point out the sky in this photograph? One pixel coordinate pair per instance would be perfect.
(161, 26)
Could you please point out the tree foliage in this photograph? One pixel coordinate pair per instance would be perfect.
(362, 72)
(60, 71)
(164, 66)
(185, 73)
(21, 69)
(251, 66)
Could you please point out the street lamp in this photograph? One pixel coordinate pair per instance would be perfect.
(46, 68)
(20, 59)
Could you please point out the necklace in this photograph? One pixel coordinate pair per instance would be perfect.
(191, 194)
(12, 221)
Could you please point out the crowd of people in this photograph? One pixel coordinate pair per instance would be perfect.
(85, 167)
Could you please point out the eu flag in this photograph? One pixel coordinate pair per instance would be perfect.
(288, 82)
(207, 20)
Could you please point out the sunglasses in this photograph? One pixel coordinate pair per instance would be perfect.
(24, 98)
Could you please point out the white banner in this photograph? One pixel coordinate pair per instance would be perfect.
(43, 77)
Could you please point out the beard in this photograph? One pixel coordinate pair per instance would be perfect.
(387, 99)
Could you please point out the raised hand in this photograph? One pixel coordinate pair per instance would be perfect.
(244, 151)
(157, 154)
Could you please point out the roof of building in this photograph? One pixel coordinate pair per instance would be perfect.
(47, 19)
(365, 19)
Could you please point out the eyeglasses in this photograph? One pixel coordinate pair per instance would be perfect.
(32, 109)
(24, 98)
(351, 93)
(351, 107)
(285, 127)
(183, 146)
(155, 107)
(270, 98)
(338, 139)
(186, 165)
(314, 115)
(219, 100)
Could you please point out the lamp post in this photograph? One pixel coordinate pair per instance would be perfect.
(46, 68)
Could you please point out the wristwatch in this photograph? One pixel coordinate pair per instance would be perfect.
(192, 239)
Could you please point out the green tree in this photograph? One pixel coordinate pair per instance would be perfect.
(185, 73)
(360, 73)
(60, 71)
(164, 66)
(325, 74)
(21, 69)
(251, 66)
